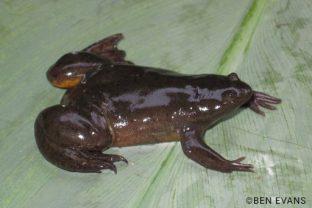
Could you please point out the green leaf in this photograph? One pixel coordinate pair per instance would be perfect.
(268, 43)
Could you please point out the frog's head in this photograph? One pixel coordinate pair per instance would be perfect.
(234, 93)
(71, 68)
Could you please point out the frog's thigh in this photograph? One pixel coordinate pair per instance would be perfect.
(67, 127)
(195, 148)
(57, 135)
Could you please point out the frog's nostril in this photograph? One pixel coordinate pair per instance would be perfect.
(52, 74)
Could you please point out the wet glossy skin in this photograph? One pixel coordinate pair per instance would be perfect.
(111, 102)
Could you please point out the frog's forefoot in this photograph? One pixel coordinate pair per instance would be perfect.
(260, 99)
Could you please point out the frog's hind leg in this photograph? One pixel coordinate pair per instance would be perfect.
(69, 140)
(107, 48)
(72, 159)
(195, 148)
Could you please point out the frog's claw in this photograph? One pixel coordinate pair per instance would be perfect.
(105, 157)
(107, 48)
(96, 166)
(195, 148)
(263, 100)
(98, 161)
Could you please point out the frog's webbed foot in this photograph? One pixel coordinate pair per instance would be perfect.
(86, 161)
(75, 160)
(195, 148)
(105, 157)
(107, 48)
(96, 161)
(264, 100)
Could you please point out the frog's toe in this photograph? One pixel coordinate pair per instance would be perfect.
(117, 158)
(238, 160)
(86, 161)
(228, 166)
(98, 161)
(97, 165)
(236, 165)
(107, 157)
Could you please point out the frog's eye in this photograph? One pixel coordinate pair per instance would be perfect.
(233, 77)
(230, 94)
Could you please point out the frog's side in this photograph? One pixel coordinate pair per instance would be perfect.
(111, 102)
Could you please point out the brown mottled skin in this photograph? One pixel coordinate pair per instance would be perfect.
(110, 102)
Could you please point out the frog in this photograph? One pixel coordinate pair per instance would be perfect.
(112, 102)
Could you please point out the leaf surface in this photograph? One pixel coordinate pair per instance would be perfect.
(268, 43)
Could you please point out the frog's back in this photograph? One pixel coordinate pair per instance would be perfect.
(140, 104)
(141, 107)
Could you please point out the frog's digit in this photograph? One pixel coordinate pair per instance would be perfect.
(107, 48)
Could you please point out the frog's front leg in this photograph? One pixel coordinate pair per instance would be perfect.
(74, 141)
(194, 147)
(260, 99)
